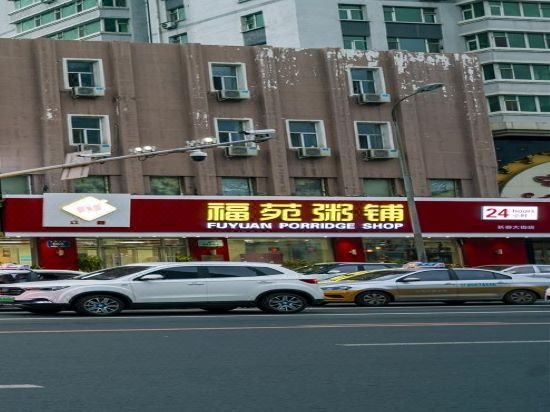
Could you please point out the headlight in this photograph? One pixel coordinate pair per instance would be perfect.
(336, 288)
(50, 288)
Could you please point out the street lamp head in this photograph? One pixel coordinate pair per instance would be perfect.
(429, 87)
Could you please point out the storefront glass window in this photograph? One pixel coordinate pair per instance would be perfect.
(403, 250)
(236, 186)
(16, 251)
(378, 187)
(444, 188)
(289, 252)
(309, 187)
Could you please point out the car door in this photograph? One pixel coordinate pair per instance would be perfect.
(431, 284)
(479, 284)
(179, 284)
(239, 283)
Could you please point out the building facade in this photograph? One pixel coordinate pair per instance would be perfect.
(331, 110)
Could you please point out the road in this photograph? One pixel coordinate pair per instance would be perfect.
(404, 358)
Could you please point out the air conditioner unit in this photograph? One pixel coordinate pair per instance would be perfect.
(86, 91)
(169, 25)
(314, 152)
(373, 154)
(366, 98)
(240, 151)
(104, 149)
(233, 94)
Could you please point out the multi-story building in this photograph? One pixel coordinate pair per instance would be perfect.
(335, 153)
(512, 40)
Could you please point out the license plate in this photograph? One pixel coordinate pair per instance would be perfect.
(6, 299)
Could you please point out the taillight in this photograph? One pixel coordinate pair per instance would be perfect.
(310, 280)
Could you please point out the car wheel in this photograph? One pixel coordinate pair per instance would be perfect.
(219, 309)
(372, 298)
(283, 302)
(99, 305)
(42, 311)
(520, 297)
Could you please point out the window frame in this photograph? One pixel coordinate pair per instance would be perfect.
(245, 27)
(246, 139)
(349, 8)
(321, 180)
(98, 73)
(240, 75)
(378, 78)
(320, 133)
(105, 129)
(249, 182)
(386, 132)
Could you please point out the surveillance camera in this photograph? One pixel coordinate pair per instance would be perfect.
(198, 155)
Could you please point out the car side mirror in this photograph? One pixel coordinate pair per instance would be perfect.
(152, 276)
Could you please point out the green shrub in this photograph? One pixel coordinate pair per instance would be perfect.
(296, 263)
(89, 263)
(184, 258)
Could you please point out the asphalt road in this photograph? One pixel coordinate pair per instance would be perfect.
(405, 358)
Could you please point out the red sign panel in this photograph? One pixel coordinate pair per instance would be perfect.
(323, 216)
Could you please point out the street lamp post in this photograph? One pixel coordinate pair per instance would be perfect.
(406, 174)
(195, 148)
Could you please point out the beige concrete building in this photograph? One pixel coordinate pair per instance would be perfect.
(331, 109)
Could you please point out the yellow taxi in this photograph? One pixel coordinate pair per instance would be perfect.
(437, 284)
(361, 275)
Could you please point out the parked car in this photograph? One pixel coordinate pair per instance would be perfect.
(442, 284)
(322, 271)
(36, 275)
(213, 286)
(531, 270)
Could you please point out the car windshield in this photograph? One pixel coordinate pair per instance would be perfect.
(111, 273)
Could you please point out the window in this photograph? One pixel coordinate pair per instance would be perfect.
(91, 184)
(230, 130)
(16, 185)
(472, 274)
(88, 73)
(116, 25)
(363, 80)
(477, 41)
(182, 272)
(252, 21)
(472, 10)
(306, 134)
(488, 72)
(232, 272)
(415, 44)
(444, 188)
(355, 42)
(409, 14)
(522, 103)
(429, 276)
(541, 71)
(176, 14)
(372, 135)
(351, 12)
(228, 76)
(88, 130)
(504, 8)
(237, 186)
(165, 185)
(114, 3)
(179, 39)
(378, 187)
(309, 187)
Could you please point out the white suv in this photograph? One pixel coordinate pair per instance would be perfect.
(213, 286)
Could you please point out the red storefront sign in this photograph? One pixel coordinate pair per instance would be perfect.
(272, 216)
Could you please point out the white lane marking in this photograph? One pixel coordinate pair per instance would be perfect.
(24, 386)
(261, 315)
(252, 328)
(443, 343)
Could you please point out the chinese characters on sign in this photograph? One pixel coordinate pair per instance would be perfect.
(305, 216)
